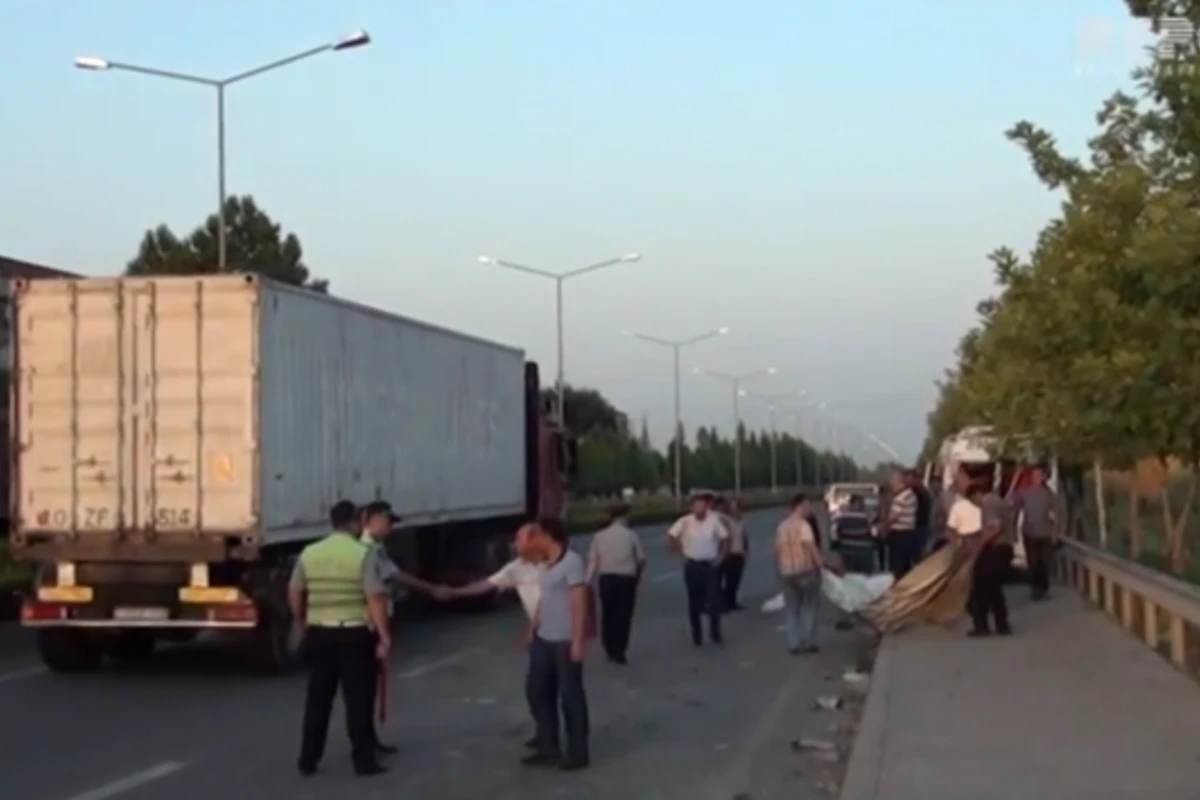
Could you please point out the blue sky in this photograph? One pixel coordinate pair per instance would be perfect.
(825, 179)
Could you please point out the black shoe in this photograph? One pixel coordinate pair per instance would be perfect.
(843, 625)
(978, 633)
(531, 743)
(718, 639)
(573, 764)
(1004, 631)
(369, 770)
(386, 749)
(621, 660)
(697, 642)
(808, 651)
(307, 770)
(542, 759)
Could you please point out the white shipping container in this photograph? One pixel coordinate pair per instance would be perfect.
(234, 404)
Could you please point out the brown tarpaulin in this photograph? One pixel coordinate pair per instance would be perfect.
(934, 592)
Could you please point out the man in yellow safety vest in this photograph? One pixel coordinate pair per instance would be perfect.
(338, 597)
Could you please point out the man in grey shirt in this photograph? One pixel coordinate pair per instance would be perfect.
(377, 522)
(615, 560)
(557, 651)
(1037, 506)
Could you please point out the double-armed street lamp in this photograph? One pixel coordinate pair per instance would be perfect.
(735, 383)
(677, 346)
(347, 42)
(559, 278)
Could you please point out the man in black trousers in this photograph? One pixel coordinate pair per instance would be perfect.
(703, 541)
(616, 561)
(337, 595)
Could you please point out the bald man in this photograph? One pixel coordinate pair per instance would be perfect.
(523, 575)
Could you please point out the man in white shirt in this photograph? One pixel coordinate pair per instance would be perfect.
(981, 519)
(523, 575)
(615, 562)
(703, 542)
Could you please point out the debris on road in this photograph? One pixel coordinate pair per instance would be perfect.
(805, 743)
(856, 681)
(829, 703)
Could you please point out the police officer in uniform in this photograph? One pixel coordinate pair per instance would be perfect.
(378, 519)
(338, 597)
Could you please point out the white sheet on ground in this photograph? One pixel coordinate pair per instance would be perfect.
(851, 593)
(854, 592)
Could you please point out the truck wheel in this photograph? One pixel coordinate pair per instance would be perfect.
(132, 646)
(67, 650)
(275, 648)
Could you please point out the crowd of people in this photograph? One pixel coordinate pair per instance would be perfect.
(341, 590)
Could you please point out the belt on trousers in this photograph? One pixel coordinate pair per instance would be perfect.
(355, 624)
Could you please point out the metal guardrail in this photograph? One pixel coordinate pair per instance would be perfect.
(1162, 611)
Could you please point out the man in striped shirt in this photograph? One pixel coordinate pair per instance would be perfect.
(902, 537)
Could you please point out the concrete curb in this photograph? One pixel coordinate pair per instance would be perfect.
(866, 758)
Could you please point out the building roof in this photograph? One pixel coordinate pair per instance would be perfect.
(12, 268)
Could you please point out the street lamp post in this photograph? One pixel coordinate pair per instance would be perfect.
(677, 346)
(735, 383)
(772, 401)
(347, 42)
(559, 278)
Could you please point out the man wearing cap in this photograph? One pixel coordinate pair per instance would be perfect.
(703, 542)
(337, 595)
(378, 520)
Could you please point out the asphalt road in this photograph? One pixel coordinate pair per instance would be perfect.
(676, 723)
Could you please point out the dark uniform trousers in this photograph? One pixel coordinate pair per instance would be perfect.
(618, 596)
(732, 569)
(986, 600)
(338, 657)
(1037, 560)
(903, 551)
(374, 671)
(702, 580)
(555, 681)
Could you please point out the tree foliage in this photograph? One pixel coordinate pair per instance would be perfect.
(254, 243)
(612, 457)
(1089, 344)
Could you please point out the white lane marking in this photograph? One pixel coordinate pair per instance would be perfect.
(665, 576)
(129, 782)
(18, 674)
(737, 775)
(436, 664)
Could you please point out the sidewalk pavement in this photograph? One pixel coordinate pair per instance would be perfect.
(1069, 708)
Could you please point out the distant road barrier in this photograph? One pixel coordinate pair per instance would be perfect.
(584, 516)
(1162, 611)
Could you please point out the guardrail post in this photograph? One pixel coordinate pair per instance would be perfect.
(1179, 641)
(1126, 608)
(1150, 623)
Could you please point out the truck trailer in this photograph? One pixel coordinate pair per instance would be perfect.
(178, 440)
(10, 270)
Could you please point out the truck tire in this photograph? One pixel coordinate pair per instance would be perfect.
(67, 650)
(275, 646)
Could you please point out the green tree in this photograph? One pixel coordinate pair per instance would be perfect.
(255, 243)
(1088, 345)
